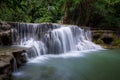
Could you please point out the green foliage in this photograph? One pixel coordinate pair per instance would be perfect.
(116, 41)
(29, 11)
(106, 13)
(98, 41)
(98, 13)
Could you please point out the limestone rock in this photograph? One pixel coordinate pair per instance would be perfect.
(5, 33)
(5, 66)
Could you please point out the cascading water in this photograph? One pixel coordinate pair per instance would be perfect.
(51, 38)
(14, 66)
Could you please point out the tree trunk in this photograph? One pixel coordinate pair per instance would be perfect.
(66, 18)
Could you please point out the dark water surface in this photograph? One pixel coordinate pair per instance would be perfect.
(97, 65)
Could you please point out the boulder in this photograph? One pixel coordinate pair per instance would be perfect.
(20, 57)
(5, 33)
(5, 38)
(5, 66)
(7, 61)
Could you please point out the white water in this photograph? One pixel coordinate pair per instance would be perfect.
(14, 65)
(52, 39)
(44, 58)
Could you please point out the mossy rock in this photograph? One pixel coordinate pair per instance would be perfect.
(98, 41)
(116, 42)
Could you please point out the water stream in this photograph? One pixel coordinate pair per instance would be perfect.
(63, 52)
(92, 65)
(52, 38)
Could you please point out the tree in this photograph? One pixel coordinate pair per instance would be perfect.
(98, 13)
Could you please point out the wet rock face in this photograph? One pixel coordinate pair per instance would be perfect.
(4, 26)
(5, 66)
(5, 34)
(5, 73)
(107, 40)
(5, 38)
(7, 62)
(104, 36)
(20, 57)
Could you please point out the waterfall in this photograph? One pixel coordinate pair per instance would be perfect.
(51, 38)
(14, 65)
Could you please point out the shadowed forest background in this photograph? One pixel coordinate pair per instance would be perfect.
(94, 13)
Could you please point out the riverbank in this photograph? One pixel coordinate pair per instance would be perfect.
(106, 38)
(110, 47)
(8, 57)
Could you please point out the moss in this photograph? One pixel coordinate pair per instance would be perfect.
(116, 41)
(114, 44)
(98, 41)
(96, 36)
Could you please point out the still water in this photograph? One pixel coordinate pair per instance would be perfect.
(94, 65)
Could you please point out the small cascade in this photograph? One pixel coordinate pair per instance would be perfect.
(23, 33)
(60, 40)
(37, 48)
(14, 65)
(51, 38)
